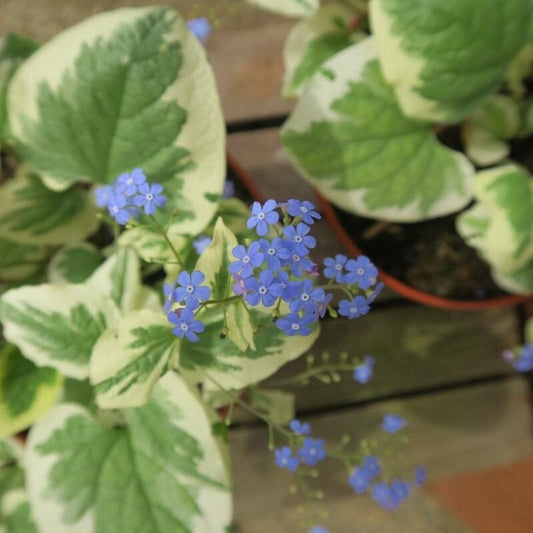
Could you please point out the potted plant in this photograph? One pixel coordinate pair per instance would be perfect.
(113, 169)
(416, 124)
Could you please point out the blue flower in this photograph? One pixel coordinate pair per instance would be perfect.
(168, 291)
(523, 361)
(285, 459)
(322, 306)
(200, 27)
(372, 466)
(150, 197)
(312, 451)
(191, 289)
(359, 480)
(201, 243)
(118, 208)
(375, 293)
(263, 216)
(393, 423)
(300, 428)
(247, 259)
(304, 209)
(103, 195)
(363, 372)
(299, 238)
(265, 289)
(289, 288)
(421, 476)
(128, 184)
(307, 297)
(229, 189)
(334, 268)
(361, 271)
(276, 252)
(399, 492)
(294, 324)
(355, 308)
(318, 529)
(185, 324)
(300, 264)
(381, 494)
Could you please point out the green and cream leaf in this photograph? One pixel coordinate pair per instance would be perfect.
(142, 345)
(313, 41)
(500, 225)
(441, 57)
(136, 87)
(30, 213)
(57, 325)
(18, 261)
(377, 162)
(288, 8)
(74, 263)
(164, 469)
(26, 391)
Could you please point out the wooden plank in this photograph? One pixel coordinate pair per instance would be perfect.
(451, 433)
(415, 349)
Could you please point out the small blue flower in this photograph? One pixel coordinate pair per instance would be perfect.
(285, 459)
(299, 238)
(265, 289)
(304, 209)
(421, 476)
(185, 324)
(247, 259)
(300, 264)
(393, 423)
(103, 195)
(399, 492)
(361, 271)
(276, 252)
(263, 216)
(375, 293)
(200, 27)
(294, 324)
(359, 480)
(363, 372)
(355, 308)
(372, 466)
(201, 243)
(312, 451)
(191, 289)
(289, 288)
(381, 494)
(318, 529)
(119, 210)
(150, 197)
(334, 268)
(229, 189)
(523, 361)
(128, 184)
(300, 428)
(168, 291)
(307, 297)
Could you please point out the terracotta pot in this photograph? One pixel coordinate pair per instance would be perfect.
(406, 290)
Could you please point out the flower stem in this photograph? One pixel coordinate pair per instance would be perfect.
(165, 236)
(310, 373)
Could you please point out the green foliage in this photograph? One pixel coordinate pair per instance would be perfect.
(74, 263)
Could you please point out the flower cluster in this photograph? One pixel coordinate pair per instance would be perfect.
(189, 295)
(308, 451)
(521, 359)
(129, 196)
(276, 269)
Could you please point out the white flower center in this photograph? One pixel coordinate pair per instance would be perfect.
(115, 209)
(246, 259)
(185, 327)
(130, 181)
(190, 289)
(298, 239)
(271, 251)
(296, 258)
(303, 209)
(149, 196)
(360, 271)
(295, 327)
(262, 290)
(305, 297)
(261, 216)
(353, 310)
(338, 267)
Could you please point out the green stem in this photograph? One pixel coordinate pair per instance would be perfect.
(309, 373)
(165, 236)
(337, 286)
(227, 300)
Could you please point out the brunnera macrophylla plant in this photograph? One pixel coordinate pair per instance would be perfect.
(380, 78)
(137, 296)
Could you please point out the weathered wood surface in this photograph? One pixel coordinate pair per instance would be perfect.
(450, 432)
